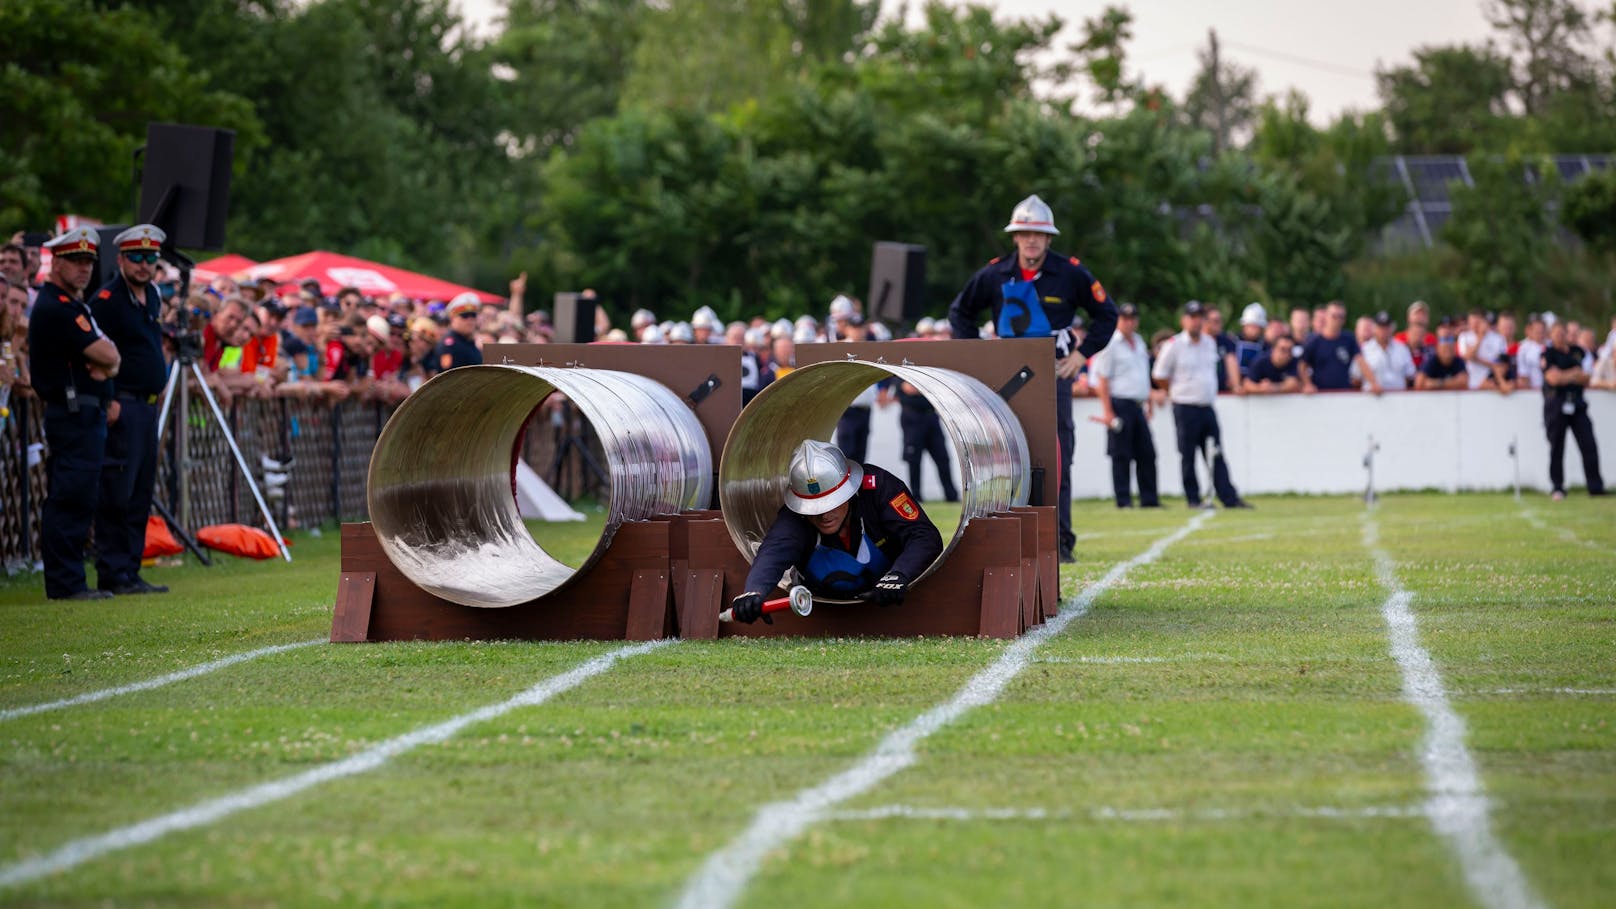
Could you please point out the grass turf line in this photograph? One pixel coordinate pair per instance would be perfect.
(724, 875)
(83, 850)
(1457, 807)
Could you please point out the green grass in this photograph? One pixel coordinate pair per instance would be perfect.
(1235, 684)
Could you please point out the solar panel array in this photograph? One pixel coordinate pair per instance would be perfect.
(1427, 179)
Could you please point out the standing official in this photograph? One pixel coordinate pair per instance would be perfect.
(1188, 369)
(129, 309)
(1122, 383)
(1564, 407)
(459, 344)
(72, 365)
(1035, 294)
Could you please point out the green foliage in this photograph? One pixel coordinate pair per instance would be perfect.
(1502, 229)
(1590, 209)
(1452, 100)
(77, 87)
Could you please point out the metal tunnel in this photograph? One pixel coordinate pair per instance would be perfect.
(806, 403)
(440, 476)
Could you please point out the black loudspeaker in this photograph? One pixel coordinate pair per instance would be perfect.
(573, 318)
(106, 257)
(897, 283)
(185, 184)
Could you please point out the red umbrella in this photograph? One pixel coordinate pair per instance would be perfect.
(231, 265)
(335, 272)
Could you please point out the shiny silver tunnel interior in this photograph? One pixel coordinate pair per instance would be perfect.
(986, 437)
(440, 477)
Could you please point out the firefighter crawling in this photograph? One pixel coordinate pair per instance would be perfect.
(851, 531)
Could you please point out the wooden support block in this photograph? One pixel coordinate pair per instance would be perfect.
(704, 592)
(350, 621)
(1032, 613)
(649, 616)
(1048, 562)
(1001, 602)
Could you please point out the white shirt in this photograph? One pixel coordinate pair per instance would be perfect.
(1393, 365)
(1125, 366)
(1190, 368)
(1492, 347)
(1529, 362)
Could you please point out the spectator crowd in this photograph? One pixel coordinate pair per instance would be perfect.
(263, 339)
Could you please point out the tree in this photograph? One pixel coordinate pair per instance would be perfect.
(1102, 54)
(1590, 209)
(1502, 228)
(1223, 98)
(565, 63)
(76, 92)
(1544, 35)
(1451, 101)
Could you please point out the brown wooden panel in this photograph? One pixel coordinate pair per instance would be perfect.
(648, 605)
(1001, 602)
(350, 620)
(704, 597)
(1031, 610)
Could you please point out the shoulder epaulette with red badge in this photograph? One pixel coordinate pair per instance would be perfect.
(869, 481)
(62, 298)
(995, 260)
(1075, 261)
(105, 294)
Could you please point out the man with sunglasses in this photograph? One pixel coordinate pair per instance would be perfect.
(129, 309)
(459, 344)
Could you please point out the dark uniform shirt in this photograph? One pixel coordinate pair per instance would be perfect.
(1331, 360)
(1264, 368)
(455, 349)
(900, 537)
(1061, 286)
(1226, 345)
(1570, 358)
(58, 332)
(1434, 368)
(133, 326)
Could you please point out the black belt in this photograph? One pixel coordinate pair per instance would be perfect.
(83, 401)
(137, 396)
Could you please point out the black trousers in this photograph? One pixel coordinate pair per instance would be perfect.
(1197, 426)
(1067, 436)
(923, 435)
(73, 484)
(1557, 421)
(853, 433)
(128, 477)
(1131, 446)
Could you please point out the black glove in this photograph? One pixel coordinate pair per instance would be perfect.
(888, 591)
(1065, 343)
(748, 608)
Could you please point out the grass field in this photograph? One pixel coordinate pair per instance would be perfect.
(1234, 723)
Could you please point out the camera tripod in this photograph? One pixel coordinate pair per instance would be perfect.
(178, 385)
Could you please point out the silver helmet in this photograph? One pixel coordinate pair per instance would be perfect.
(1032, 214)
(705, 317)
(681, 333)
(821, 478)
(641, 318)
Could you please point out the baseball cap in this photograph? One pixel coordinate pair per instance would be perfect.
(1194, 308)
(398, 320)
(377, 325)
(306, 315)
(1127, 311)
(1383, 318)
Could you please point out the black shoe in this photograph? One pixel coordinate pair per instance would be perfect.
(1241, 503)
(1195, 504)
(138, 586)
(1150, 505)
(86, 595)
(1066, 558)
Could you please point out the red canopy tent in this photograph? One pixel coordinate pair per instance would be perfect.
(335, 272)
(232, 265)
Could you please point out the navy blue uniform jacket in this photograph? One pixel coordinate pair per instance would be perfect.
(1063, 285)
(133, 327)
(59, 330)
(883, 509)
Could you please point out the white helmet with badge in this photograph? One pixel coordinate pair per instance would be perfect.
(821, 478)
(1032, 215)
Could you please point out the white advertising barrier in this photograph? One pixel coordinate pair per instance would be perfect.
(1451, 441)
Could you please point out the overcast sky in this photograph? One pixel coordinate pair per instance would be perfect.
(1327, 48)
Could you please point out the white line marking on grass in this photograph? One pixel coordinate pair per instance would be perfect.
(917, 813)
(158, 682)
(1577, 691)
(82, 850)
(1564, 533)
(726, 872)
(1457, 808)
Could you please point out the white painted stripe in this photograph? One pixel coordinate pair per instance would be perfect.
(1458, 806)
(82, 850)
(1132, 660)
(918, 813)
(158, 682)
(1565, 534)
(1576, 691)
(726, 872)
